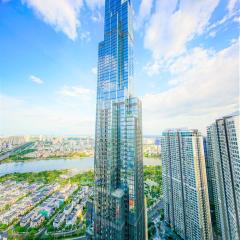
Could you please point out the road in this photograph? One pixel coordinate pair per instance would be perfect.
(157, 237)
(154, 211)
(78, 238)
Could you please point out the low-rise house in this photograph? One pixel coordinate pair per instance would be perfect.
(68, 209)
(60, 202)
(79, 212)
(59, 220)
(75, 201)
(71, 219)
(24, 221)
(8, 218)
(37, 221)
(1, 218)
(22, 210)
(77, 206)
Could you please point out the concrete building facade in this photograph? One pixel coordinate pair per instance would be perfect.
(185, 190)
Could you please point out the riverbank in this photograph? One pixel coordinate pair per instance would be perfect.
(66, 157)
(48, 177)
(22, 158)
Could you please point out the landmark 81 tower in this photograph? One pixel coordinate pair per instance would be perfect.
(119, 197)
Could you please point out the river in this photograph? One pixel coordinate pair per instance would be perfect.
(82, 164)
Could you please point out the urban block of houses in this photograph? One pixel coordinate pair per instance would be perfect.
(59, 220)
(37, 221)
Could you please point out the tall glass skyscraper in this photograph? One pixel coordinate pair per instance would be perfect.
(119, 194)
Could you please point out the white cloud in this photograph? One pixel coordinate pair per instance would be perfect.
(207, 88)
(231, 15)
(190, 60)
(152, 68)
(62, 15)
(94, 70)
(237, 19)
(97, 17)
(36, 79)
(85, 36)
(231, 5)
(75, 91)
(93, 4)
(9, 102)
(144, 12)
(20, 117)
(212, 34)
(171, 26)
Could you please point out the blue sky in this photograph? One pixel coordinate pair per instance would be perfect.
(186, 63)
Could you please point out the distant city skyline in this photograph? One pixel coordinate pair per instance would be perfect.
(186, 56)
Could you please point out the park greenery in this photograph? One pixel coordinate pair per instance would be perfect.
(152, 177)
(152, 183)
(20, 156)
(75, 155)
(46, 177)
(152, 155)
(3, 227)
(31, 177)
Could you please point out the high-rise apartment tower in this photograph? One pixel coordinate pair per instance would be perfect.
(119, 194)
(185, 190)
(224, 178)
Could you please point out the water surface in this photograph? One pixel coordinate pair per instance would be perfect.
(82, 164)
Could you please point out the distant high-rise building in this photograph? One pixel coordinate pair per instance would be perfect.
(119, 210)
(212, 183)
(185, 190)
(224, 162)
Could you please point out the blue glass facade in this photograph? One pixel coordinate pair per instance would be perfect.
(119, 196)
